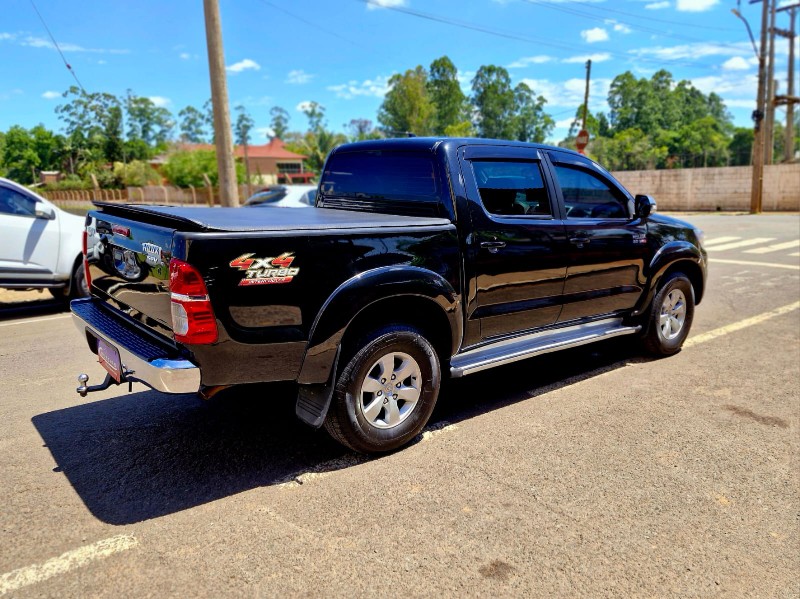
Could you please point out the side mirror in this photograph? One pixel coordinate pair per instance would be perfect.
(43, 211)
(645, 206)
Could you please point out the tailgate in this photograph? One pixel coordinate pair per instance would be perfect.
(129, 267)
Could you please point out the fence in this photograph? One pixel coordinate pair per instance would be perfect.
(152, 194)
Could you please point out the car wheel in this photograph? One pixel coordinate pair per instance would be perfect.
(80, 286)
(671, 315)
(386, 392)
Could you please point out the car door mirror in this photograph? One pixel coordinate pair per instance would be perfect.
(43, 211)
(645, 206)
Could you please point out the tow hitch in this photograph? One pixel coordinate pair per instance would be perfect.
(109, 380)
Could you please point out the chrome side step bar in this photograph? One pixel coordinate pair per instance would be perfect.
(520, 348)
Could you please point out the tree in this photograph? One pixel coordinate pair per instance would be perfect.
(407, 107)
(136, 174)
(445, 93)
(114, 144)
(318, 141)
(531, 121)
(740, 147)
(494, 101)
(361, 129)
(244, 123)
(19, 156)
(279, 122)
(192, 125)
(186, 168)
(146, 121)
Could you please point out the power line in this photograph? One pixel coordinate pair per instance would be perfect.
(523, 38)
(310, 23)
(647, 18)
(55, 43)
(641, 28)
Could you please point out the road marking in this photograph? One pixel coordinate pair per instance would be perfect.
(65, 562)
(30, 320)
(795, 255)
(751, 263)
(788, 245)
(742, 324)
(740, 244)
(717, 240)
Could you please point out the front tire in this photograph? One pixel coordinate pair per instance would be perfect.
(671, 316)
(386, 393)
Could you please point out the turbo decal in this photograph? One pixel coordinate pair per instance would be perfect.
(265, 271)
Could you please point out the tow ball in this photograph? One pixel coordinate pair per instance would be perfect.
(83, 389)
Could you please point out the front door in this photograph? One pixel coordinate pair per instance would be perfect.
(607, 243)
(29, 245)
(516, 254)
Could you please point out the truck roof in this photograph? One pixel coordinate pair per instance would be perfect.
(430, 143)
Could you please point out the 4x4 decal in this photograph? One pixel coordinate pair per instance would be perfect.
(265, 271)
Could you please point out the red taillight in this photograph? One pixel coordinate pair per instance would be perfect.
(86, 273)
(193, 319)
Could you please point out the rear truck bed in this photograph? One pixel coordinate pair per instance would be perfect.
(184, 298)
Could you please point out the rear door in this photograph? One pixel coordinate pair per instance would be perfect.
(515, 256)
(607, 243)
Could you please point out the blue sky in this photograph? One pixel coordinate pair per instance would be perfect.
(341, 53)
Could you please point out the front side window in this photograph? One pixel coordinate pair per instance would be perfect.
(13, 202)
(511, 187)
(588, 196)
(380, 176)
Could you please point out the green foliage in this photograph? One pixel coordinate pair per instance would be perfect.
(184, 168)
(495, 103)
(444, 90)
(136, 174)
(530, 122)
(462, 129)
(316, 143)
(146, 121)
(407, 106)
(244, 123)
(361, 129)
(630, 149)
(192, 125)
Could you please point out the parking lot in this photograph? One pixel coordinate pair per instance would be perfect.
(592, 472)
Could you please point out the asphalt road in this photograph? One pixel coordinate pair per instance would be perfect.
(594, 472)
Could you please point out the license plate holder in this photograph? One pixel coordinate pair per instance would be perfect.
(108, 356)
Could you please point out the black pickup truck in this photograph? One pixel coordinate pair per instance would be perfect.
(423, 258)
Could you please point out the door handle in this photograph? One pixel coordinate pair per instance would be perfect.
(579, 241)
(493, 246)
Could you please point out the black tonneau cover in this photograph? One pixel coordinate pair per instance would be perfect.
(268, 219)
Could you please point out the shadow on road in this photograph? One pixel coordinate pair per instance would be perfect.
(47, 305)
(143, 455)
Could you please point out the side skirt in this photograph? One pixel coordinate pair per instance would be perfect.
(520, 348)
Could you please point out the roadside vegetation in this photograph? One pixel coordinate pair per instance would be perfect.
(653, 122)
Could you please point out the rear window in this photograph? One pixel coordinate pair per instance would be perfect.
(380, 176)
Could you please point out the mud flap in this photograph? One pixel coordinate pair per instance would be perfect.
(313, 401)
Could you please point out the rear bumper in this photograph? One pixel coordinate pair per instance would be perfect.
(143, 360)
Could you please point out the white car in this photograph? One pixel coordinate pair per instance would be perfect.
(284, 196)
(41, 246)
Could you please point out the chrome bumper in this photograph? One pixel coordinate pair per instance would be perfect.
(160, 373)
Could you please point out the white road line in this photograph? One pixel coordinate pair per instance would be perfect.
(740, 244)
(65, 562)
(795, 255)
(717, 240)
(751, 263)
(788, 245)
(742, 324)
(14, 323)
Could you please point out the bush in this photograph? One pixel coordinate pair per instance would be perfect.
(186, 168)
(136, 174)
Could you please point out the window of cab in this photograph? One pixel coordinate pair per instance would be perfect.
(512, 187)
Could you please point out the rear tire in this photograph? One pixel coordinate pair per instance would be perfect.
(77, 287)
(671, 315)
(386, 392)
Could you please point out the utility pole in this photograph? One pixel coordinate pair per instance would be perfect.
(758, 116)
(586, 93)
(769, 125)
(789, 99)
(223, 138)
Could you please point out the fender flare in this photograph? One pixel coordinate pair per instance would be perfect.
(664, 258)
(358, 293)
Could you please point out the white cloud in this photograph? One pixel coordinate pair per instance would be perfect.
(185, 55)
(621, 28)
(741, 103)
(263, 133)
(695, 5)
(7, 36)
(529, 60)
(160, 101)
(601, 57)
(40, 42)
(298, 77)
(736, 63)
(10, 94)
(657, 5)
(377, 4)
(695, 50)
(243, 65)
(736, 85)
(303, 106)
(596, 34)
(377, 88)
(565, 123)
(569, 93)
(51, 95)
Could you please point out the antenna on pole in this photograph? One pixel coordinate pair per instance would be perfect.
(582, 139)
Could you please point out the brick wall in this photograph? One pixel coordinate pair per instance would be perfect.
(722, 188)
